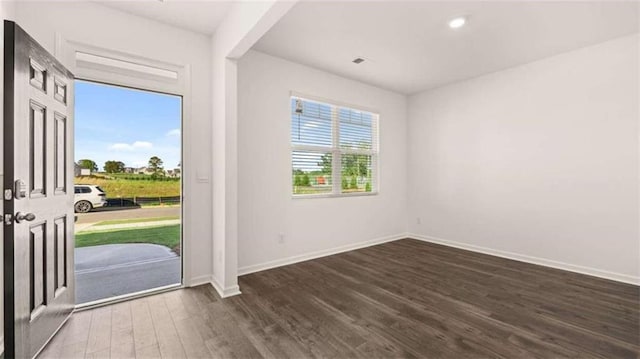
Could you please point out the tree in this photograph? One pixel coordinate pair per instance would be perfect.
(355, 165)
(88, 164)
(155, 165)
(354, 182)
(325, 163)
(114, 167)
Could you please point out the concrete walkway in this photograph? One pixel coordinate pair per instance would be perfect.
(116, 255)
(116, 269)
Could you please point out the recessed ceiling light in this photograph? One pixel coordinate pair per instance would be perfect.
(457, 23)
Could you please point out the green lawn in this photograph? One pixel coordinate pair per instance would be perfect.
(312, 190)
(135, 220)
(166, 235)
(118, 187)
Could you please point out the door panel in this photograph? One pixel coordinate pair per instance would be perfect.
(37, 142)
(38, 221)
(37, 261)
(60, 256)
(60, 146)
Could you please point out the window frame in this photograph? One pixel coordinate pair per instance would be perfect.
(336, 151)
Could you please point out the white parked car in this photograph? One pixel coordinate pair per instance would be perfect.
(88, 197)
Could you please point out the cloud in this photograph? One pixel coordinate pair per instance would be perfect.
(174, 132)
(131, 147)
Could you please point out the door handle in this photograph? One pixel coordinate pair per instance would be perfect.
(25, 217)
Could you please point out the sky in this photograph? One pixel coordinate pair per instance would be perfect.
(121, 124)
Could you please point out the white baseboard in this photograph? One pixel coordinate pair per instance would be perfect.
(199, 280)
(225, 292)
(208, 279)
(317, 254)
(533, 260)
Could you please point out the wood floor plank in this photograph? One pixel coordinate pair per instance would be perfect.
(227, 341)
(76, 350)
(71, 340)
(76, 329)
(402, 299)
(144, 333)
(100, 354)
(122, 343)
(191, 339)
(168, 339)
(148, 352)
(52, 350)
(173, 301)
(100, 330)
(264, 333)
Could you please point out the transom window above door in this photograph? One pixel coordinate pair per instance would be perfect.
(334, 149)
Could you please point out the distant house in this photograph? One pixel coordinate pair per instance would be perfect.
(129, 170)
(174, 173)
(143, 171)
(79, 171)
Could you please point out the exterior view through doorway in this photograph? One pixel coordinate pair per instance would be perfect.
(128, 191)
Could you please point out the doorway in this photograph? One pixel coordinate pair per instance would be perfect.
(128, 191)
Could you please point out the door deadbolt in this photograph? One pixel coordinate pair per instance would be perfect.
(25, 217)
(20, 190)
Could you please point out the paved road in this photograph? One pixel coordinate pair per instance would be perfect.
(108, 214)
(115, 269)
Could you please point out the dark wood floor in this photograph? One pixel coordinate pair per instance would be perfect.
(404, 299)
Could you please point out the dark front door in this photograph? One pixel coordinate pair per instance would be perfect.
(37, 193)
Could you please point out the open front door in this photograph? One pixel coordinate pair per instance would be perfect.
(38, 194)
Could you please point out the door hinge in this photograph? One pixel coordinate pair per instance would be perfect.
(8, 195)
(8, 219)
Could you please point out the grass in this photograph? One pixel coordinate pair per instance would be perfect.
(135, 220)
(131, 188)
(124, 175)
(312, 190)
(168, 236)
(324, 190)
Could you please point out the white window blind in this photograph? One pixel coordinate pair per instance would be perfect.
(334, 149)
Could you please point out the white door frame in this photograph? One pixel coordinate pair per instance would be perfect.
(117, 68)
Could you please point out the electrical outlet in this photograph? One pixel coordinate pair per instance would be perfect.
(418, 220)
(281, 238)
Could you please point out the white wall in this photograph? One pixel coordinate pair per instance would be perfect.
(107, 28)
(266, 208)
(538, 162)
(244, 24)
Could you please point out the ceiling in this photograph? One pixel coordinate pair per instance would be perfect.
(409, 47)
(202, 16)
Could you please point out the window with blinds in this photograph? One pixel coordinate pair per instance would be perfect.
(334, 149)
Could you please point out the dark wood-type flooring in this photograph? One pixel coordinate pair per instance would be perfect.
(404, 299)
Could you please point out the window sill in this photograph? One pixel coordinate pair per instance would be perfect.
(332, 195)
